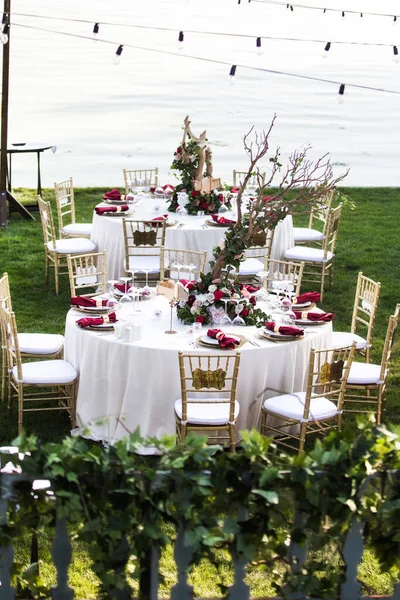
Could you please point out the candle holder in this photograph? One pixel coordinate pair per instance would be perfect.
(172, 305)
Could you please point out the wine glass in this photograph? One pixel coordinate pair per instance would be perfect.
(125, 298)
(226, 320)
(177, 266)
(112, 302)
(146, 289)
(238, 321)
(191, 268)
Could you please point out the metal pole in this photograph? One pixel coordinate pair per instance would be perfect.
(4, 121)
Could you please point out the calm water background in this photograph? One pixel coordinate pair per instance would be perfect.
(102, 117)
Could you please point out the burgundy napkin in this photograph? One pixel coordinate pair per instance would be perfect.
(168, 189)
(102, 210)
(224, 340)
(314, 316)
(159, 219)
(187, 284)
(121, 287)
(222, 220)
(252, 289)
(85, 301)
(307, 297)
(284, 329)
(235, 190)
(114, 194)
(86, 321)
(153, 189)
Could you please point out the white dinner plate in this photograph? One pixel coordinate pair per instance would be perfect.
(306, 322)
(267, 334)
(302, 305)
(102, 327)
(91, 310)
(209, 341)
(117, 214)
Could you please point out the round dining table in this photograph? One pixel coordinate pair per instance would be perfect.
(124, 385)
(188, 232)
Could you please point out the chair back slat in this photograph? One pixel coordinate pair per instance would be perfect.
(65, 202)
(238, 178)
(365, 306)
(46, 217)
(331, 231)
(319, 214)
(135, 177)
(87, 271)
(142, 239)
(283, 271)
(388, 345)
(181, 264)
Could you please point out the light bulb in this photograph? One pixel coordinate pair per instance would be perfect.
(326, 50)
(4, 34)
(232, 73)
(340, 99)
(181, 39)
(117, 55)
(95, 31)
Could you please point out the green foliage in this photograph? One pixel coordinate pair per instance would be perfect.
(244, 503)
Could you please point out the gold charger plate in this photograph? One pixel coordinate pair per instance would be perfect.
(214, 346)
(274, 337)
(117, 214)
(211, 222)
(109, 201)
(91, 310)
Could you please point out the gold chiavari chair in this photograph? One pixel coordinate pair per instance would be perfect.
(140, 177)
(56, 250)
(31, 345)
(238, 177)
(317, 224)
(367, 382)
(283, 271)
(87, 273)
(319, 261)
(65, 202)
(55, 378)
(256, 256)
(143, 243)
(208, 402)
(316, 410)
(181, 264)
(364, 311)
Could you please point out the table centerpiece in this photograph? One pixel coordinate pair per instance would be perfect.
(304, 184)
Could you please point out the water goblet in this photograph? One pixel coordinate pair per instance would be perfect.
(112, 302)
(125, 298)
(191, 268)
(225, 320)
(238, 321)
(146, 289)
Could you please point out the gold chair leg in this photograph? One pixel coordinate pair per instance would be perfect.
(20, 408)
(4, 372)
(232, 444)
(56, 273)
(379, 406)
(303, 429)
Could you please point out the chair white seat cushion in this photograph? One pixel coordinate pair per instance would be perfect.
(40, 343)
(305, 234)
(364, 373)
(72, 246)
(307, 254)
(201, 413)
(291, 406)
(145, 263)
(340, 339)
(47, 372)
(250, 266)
(78, 229)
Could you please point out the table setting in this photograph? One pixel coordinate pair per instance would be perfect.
(128, 365)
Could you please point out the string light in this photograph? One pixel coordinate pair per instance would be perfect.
(326, 50)
(341, 93)
(232, 74)
(117, 55)
(258, 46)
(181, 38)
(96, 31)
(395, 54)
(4, 34)
(216, 61)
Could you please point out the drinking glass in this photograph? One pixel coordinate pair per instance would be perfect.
(125, 298)
(225, 320)
(238, 321)
(112, 302)
(146, 288)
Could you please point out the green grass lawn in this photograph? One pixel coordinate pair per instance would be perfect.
(368, 242)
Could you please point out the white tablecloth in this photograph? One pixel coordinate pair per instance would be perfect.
(125, 385)
(107, 234)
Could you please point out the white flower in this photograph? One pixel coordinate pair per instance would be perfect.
(221, 244)
(193, 310)
(216, 192)
(212, 288)
(201, 298)
(197, 303)
(225, 291)
(236, 296)
(210, 297)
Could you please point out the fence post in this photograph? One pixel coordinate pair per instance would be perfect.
(352, 554)
(62, 554)
(6, 552)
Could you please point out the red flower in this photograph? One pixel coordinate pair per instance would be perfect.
(190, 301)
(195, 193)
(268, 198)
(200, 319)
(218, 295)
(203, 205)
(244, 312)
(221, 197)
(253, 300)
(179, 150)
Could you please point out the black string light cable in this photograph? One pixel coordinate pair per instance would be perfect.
(326, 10)
(233, 68)
(194, 31)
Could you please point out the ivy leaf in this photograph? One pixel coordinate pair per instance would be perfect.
(270, 496)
